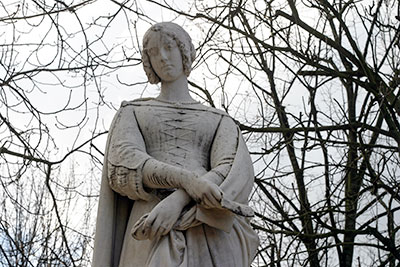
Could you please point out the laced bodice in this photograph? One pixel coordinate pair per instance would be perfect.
(179, 135)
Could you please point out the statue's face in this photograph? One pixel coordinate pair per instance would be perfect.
(165, 57)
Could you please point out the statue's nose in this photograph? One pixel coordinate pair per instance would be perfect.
(163, 54)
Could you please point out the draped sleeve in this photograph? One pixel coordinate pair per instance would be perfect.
(127, 155)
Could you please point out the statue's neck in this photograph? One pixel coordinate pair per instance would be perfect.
(175, 91)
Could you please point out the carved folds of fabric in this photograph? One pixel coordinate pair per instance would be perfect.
(126, 157)
(192, 137)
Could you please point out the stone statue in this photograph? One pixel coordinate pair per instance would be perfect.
(177, 174)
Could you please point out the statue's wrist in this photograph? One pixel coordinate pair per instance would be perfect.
(187, 183)
(180, 198)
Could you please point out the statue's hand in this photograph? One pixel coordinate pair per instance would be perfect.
(162, 218)
(204, 192)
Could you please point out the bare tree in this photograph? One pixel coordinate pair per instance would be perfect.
(322, 82)
(314, 85)
(52, 60)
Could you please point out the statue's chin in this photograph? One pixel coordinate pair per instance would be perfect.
(170, 75)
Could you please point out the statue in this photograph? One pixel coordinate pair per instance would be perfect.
(177, 174)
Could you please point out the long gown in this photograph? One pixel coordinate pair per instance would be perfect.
(188, 136)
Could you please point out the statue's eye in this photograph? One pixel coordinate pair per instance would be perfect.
(168, 46)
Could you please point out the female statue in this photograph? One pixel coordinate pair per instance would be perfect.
(175, 173)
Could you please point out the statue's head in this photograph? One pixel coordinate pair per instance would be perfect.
(167, 30)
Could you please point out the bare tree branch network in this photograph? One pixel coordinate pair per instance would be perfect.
(314, 86)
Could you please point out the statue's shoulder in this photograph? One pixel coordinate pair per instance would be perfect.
(215, 110)
(227, 120)
(136, 102)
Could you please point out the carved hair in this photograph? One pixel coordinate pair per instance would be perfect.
(181, 38)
